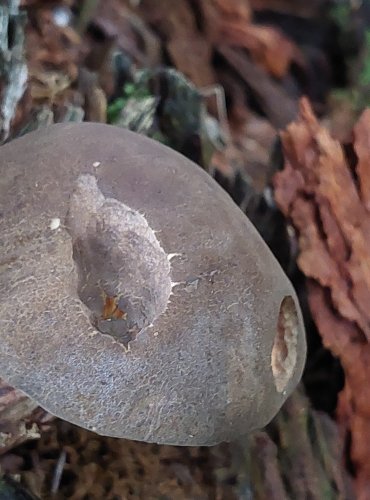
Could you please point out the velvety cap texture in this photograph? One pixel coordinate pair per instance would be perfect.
(136, 299)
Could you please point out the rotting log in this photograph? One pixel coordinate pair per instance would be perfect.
(324, 191)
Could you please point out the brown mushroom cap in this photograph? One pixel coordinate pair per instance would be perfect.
(137, 300)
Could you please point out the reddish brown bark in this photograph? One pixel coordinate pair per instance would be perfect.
(327, 201)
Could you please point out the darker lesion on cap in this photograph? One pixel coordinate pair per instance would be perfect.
(124, 273)
(284, 351)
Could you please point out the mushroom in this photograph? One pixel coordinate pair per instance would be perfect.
(137, 300)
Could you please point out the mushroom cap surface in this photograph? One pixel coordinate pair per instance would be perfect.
(136, 299)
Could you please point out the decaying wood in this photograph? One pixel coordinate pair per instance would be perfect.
(20, 418)
(13, 68)
(324, 190)
(275, 102)
(298, 456)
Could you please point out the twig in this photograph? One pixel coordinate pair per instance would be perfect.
(58, 472)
